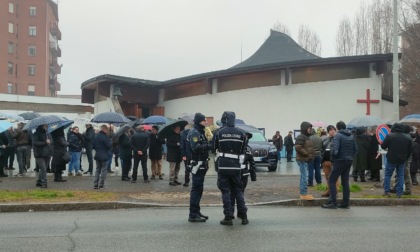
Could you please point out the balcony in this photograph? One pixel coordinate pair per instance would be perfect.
(55, 85)
(55, 67)
(55, 31)
(55, 49)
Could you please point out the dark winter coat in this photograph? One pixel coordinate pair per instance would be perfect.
(102, 146)
(75, 142)
(415, 161)
(185, 150)
(156, 148)
(89, 137)
(288, 143)
(140, 142)
(125, 147)
(39, 142)
(3, 141)
(278, 142)
(360, 162)
(374, 164)
(303, 145)
(343, 146)
(60, 146)
(174, 148)
(398, 144)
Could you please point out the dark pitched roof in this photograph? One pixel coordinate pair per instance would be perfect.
(121, 79)
(279, 47)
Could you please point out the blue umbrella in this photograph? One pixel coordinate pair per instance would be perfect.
(29, 115)
(62, 124)
(413, 119)
(4, 125)
(110, 117)
(156, 120)
(48, 120)
(11, 118)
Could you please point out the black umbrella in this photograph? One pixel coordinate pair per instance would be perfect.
(48, 119)
(136, 122)
(132, 118)
(121, 131)
(29, 115)
(168, 128)
(110, 117)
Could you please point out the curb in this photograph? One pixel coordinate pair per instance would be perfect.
(43, 207)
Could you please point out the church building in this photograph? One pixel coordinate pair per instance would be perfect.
(276, 88)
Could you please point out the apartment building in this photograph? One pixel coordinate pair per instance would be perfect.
(29, 49)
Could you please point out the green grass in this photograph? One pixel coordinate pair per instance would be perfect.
(353, 188)
(54, 196)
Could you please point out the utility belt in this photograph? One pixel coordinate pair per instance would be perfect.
(241, 158)
(194, 166)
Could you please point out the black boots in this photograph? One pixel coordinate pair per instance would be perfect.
(227, 221)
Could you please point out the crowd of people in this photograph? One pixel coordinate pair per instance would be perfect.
(335, 149)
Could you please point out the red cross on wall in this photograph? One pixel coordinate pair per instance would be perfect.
(368, 101)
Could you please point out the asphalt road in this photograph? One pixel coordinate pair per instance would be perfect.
(167, 229)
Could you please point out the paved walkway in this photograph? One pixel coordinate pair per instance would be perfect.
(280, 187)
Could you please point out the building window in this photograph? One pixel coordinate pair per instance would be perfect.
(31, 70)
(31, 89)
(32, 30)
(11, 26)
(10, 67)
(9, 88)
(32, 50)
(11, 8)
(32, 11)
(10, 47)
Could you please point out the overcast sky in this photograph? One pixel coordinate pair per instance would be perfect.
(166, 39)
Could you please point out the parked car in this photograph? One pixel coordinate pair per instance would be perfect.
(264, 152)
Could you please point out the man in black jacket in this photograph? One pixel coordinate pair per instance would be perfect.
(288, 143)
(42, 153)
(140, 142)
(155, 152)
(399, 146)
(185, 153)
(89, 137)
(102, 147)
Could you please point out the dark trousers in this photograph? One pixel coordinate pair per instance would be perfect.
(11, 151)
(42, 163)
(89, 158)
(232, 196)
(57, 167)
(3, 162)
(231, 184)
(187, 172)
(126, 166)
(196, 192)
(289, 155)
(21, 154)
(143, 161)
(314, 166)
(341, 168)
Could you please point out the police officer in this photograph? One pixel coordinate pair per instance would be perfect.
(199, 148)
(230, 144)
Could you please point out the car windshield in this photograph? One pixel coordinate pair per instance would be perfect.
(257, 137)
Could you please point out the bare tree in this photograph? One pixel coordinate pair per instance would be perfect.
(278, 26)
(344, 44)
(309, 40)
(361, 31)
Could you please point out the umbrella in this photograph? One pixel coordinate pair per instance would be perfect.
(136, 123)
(413, 119)
(110, 117)
(62, 124)
(365, 121)
(156, 120)
(131, 118)
(121, 131)
(189, 117)
(4, 125)
(48, 119)
(29, 115)
(168, 128)
(239, 121)
(11, 118)
(319, 124)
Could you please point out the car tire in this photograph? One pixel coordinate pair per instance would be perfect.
(272, 168)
